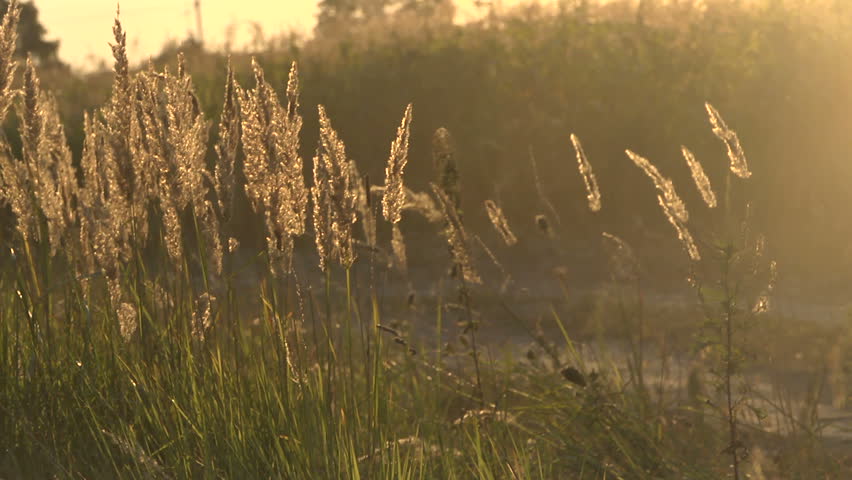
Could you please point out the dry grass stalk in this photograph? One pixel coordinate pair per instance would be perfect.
(116, 118)
(202, 316)
(152, 136)
(8, 65)
(700, 178)
(498, 219)
(507, 277)
(683, 233)
(674, 204)
(128, 320)
(457, 238)
(764, 301)
(227, 145)
(394, 197)
(400, 259)
(47, 158)
(732, 142)
(102, 238)
(623, 261)
(335, 183)
(593, 193)
(420, 202)
(321, 196)
(275, 183)
(187, 135)
(545, 201)
(364, 204)
(117, 180)
(444, 161)
(16, 191)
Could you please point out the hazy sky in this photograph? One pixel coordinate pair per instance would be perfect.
(83, 26)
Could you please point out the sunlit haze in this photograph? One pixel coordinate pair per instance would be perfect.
(83, 27)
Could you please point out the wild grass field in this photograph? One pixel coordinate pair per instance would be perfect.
(194, 297)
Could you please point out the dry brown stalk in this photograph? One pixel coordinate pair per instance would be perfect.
(498, 219)
(593, 193)
(701, 180)
(732, 142)
(394, 197)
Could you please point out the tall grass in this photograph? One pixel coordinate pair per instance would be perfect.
(134, 344)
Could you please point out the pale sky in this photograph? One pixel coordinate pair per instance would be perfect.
(84, 26)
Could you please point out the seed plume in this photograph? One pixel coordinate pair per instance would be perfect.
(394, 197)
(700, 178)
(227, 145)
(47, 158)
(498, 219)
(187, 135)
(665, 186)
(683, 233)
(101, 210)
(593, 193)
(275, 182)
(364, 205)
(336, 181)
(8, 65)
(127, 320)
(732, 142)
(321, 197)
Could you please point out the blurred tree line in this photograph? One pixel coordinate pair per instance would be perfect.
(31, 34)
(619, 76)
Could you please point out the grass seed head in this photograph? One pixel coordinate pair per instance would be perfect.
(275, 182)
(340, 193)
(593, 193)
(227, 145)
(8, 64)
(700, 178)
(739, 165)
(498, 219)
(394, 197)
(664, 185)
(683, 233)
